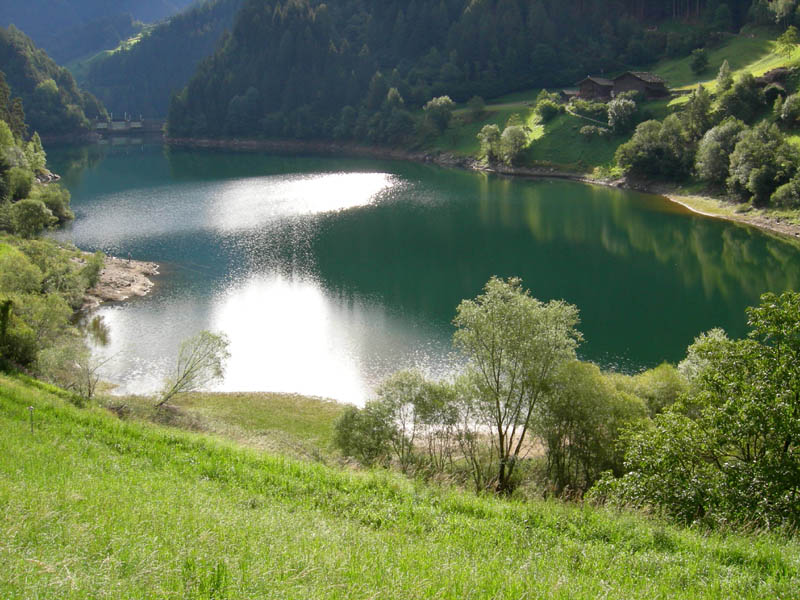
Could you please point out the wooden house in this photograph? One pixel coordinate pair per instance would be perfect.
(595, 88)
(649, 84)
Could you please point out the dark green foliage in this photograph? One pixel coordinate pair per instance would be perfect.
(309, 60)
(790, 111)
(30, 217)
(547, 109)
(140, 80)
(697, 114)
(657, 150)
(477, 107)
(591, 109)
(621, 115)
(56, 198)
(715, 149)
(439, 111)
(787, 195)
(365, 434)
(104, 32)
(729, 453)
(761, 162)
(743, 101)
(724, 78)
(580, 422)
(71, 28)
(19, 182)
(489, 138)
(53, 103)
(699, 61)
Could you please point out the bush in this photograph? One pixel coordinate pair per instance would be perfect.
(699, 61)
(489, 137)
(30, 217)
(790, 110)
(364, 434)
(715, 148)
(439, 111)
(588, 108)
(548, 110)
(787, 195)
(761, 161)
(728, 453)
(512, 143)
(20, 182)
(621, 114)
(590, 131)
(580, 423)
(56, 198)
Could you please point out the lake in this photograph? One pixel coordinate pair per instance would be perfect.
(328, 274)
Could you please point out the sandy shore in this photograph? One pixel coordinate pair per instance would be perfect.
(119, 280)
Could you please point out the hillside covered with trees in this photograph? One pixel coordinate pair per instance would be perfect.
(54, 104)
(140, 79)
(57, 24)
(306, 69)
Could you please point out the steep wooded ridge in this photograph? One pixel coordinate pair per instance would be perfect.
(304, 69)
(141, 79)
(54, 104)
(49, 21)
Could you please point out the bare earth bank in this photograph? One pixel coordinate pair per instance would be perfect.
(120, 279)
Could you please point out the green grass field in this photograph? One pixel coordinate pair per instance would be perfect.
(96, 507)
(287, 423)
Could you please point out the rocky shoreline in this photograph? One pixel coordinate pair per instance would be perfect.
(120, 279)
(755, 219)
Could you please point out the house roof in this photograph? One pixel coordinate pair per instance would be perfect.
(644, 76)
(598, 80)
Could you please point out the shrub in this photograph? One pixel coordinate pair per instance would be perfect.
(56, 198)
(715, 148)
(512, 143)
(787, 195)
(729, 452)
(364, 434)
(699, 61)
(30, 217)
(621, 114)
(590, 131)
(20, 182)
(548, 110)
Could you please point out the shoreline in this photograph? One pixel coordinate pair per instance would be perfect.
(119, 280)
(773, 225)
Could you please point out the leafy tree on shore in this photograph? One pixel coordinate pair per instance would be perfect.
(713, 153)
(201, 360)
(515, 346)
(761, 162)
(729, 452)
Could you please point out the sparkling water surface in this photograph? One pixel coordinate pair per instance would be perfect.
(328, 274)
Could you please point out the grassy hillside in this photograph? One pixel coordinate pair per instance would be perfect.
(95, 507)
(559, 143)
(287, 423)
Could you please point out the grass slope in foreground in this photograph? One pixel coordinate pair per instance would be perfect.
(95, 507)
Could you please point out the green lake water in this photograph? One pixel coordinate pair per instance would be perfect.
(328, 274)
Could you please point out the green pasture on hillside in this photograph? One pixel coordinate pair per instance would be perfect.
(97, 507)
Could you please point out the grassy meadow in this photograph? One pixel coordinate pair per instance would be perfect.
(558, 143)
(98, 507)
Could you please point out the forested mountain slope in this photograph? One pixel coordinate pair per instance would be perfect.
(53, 102)
(142, 78)
(46, 21)
(304, 69)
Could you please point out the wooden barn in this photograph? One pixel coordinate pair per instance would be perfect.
(649, 84)
(595, 88)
